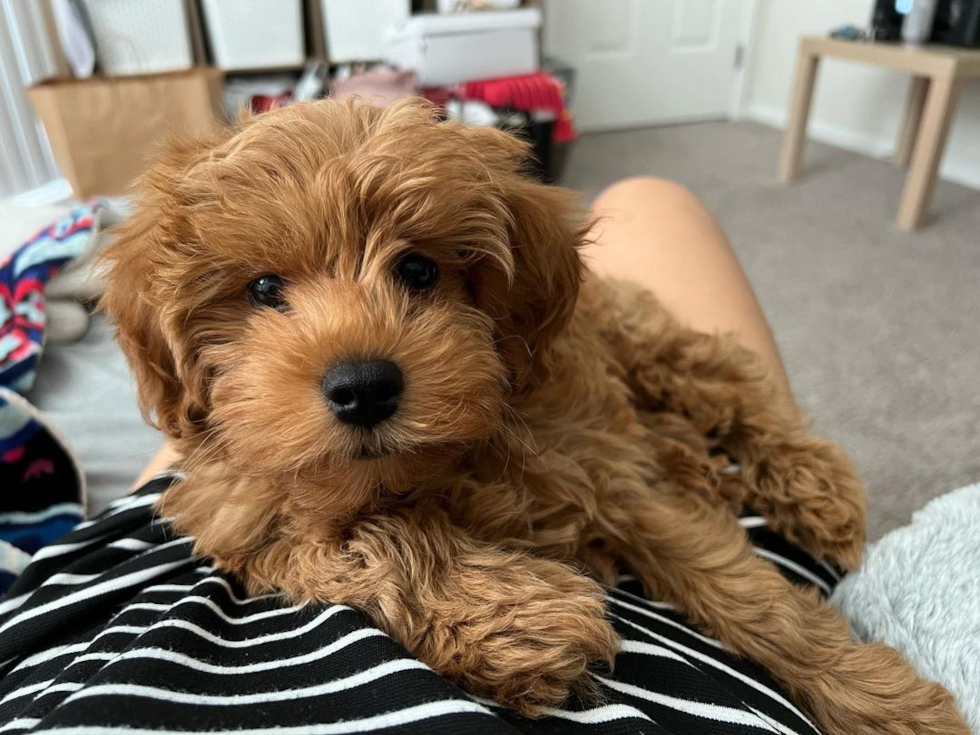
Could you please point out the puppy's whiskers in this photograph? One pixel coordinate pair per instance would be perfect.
(527, 347)
(491, 442)
(527, 429)
(525, 447)
(205, 452)
(520, 417)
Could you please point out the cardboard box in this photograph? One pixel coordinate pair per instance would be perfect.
(102, 130)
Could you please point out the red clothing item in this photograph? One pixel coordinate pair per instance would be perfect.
(528, 93)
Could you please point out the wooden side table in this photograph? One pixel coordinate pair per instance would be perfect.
(938, 73)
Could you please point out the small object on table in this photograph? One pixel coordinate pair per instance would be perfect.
(849, 33)
(917, 24)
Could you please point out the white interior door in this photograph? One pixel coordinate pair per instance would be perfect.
(646, 62)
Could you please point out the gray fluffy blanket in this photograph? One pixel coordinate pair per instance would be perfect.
(918, 589)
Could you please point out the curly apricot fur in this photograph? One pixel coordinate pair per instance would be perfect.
(553, 429)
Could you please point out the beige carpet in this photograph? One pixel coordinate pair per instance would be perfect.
(880, 329)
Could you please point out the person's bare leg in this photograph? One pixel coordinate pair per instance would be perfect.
(166, 458)
(658, 234)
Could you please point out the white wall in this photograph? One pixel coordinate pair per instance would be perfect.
(855, 106)
(25, 157)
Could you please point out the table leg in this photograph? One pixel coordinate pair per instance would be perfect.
(921, 179)
(799, 112)
(913, 115)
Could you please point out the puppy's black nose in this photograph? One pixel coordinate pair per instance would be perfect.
(363, 393)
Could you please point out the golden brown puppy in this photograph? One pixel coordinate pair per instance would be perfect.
(395, 387)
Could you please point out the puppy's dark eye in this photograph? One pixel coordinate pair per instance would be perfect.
(267, 291)
(417, 273)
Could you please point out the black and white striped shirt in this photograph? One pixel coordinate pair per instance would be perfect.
(119, 627)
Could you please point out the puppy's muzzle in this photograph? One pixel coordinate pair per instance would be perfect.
(363, 393)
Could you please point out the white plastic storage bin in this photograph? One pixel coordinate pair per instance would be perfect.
(254, 34)
(357, 30)
(145, 37)
(444, 50)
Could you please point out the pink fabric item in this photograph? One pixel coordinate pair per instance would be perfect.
(380, 87)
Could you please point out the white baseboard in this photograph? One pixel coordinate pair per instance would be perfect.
(51, 193)
(870, 145)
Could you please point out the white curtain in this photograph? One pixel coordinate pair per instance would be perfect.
(25, 58)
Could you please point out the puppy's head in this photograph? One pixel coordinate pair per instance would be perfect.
(334, 290)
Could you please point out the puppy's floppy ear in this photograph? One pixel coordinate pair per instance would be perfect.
(137, 299)
(531, 298)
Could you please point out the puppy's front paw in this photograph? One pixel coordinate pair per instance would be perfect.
(809, 492)
(535, 653)
(552, 658)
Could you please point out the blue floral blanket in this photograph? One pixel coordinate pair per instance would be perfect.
(41, 485)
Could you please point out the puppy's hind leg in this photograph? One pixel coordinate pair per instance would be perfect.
(697, 556)
(806, 487)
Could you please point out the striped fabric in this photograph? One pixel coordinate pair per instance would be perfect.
(119, 626)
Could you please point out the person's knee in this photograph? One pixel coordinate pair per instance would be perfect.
(642, 191)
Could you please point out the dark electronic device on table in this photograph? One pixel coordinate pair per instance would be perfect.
(957, 22)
